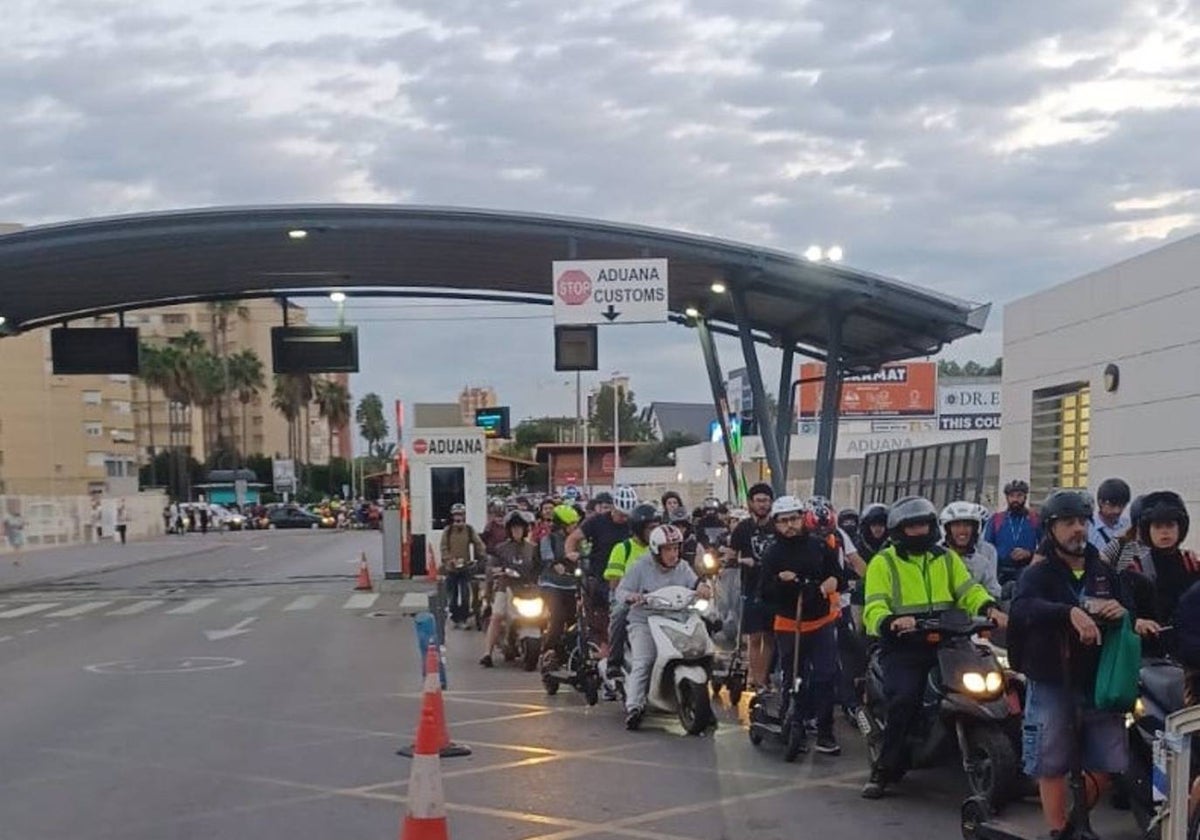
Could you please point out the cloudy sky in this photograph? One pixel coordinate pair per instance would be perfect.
(983, 149)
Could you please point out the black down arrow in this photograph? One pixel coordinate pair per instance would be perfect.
(610, 313)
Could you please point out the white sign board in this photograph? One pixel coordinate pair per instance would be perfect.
(283, 473)
(969, 407)
(610, 291)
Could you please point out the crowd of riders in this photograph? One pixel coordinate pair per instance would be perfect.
(829, 592)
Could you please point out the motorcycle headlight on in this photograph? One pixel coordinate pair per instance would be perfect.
(700, 605)
(976, 683)
(710, 562)
(529, 607)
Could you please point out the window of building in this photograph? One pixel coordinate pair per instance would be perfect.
(1060, 438)
(123, 436)
(93, 429)
(175, 318)
(96, 459)
(120, 406)
(92, 398)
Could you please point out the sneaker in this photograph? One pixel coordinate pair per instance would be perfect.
(875, 786)
(827, 744)
(486, 662)
(633, 719)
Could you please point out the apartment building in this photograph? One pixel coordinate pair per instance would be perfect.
(472, 398)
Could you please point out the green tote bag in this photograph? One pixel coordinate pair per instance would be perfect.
(1117, 674)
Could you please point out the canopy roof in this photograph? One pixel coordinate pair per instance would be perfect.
(54, 273)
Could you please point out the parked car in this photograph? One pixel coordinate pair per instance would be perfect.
(293, 517)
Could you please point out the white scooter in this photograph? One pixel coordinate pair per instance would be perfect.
(683, 658)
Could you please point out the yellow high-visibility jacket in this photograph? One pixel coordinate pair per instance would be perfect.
(915, 585)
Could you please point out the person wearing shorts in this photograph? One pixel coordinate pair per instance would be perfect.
(750, 541)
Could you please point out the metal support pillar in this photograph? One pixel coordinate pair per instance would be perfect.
(720, 401)
(761, 414)
(831, 400)
(786, 409)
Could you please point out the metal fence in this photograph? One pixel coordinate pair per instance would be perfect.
(942, 473)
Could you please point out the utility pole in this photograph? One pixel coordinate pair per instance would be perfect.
(616, 430)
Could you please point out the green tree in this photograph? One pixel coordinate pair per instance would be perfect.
(246, 380)
(372, 425)
(529, 433)
(292, 393)
(948, 368)
(659, 453)
(154, 369)
(333, 404)
(632, 427)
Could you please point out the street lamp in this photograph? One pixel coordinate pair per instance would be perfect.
(297, 234)
(340, 299)
(815, 253)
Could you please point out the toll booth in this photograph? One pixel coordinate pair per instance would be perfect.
(447, 466)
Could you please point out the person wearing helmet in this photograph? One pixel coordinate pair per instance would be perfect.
(1110, 521)
(518, 553)
(660, 566)
(802, 571)
(461, 551)
(749, 543)
(557, 581)
(1157, 583)
(681, 519)
(872, 530)
(1055, 610)
(1013, 531)
(962, 523)
(607, 527)
(642, 521)
(913, 576)
(847, 520)
(711, 528)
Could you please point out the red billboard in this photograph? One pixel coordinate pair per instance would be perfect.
(905, 389)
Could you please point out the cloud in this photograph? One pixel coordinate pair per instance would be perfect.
(983, 149)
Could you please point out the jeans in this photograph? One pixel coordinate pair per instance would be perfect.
(818, 671)
(458, 594)
(905, 674)
(641, 661)
(618, 630)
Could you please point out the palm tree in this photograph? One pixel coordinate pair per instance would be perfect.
(333, 403)
(220, 312)
(154, 369)
(246, 378)
(293, 392)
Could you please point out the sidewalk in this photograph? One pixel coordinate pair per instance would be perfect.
(44, 565)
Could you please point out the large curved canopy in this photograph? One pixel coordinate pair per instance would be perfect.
(55, 273)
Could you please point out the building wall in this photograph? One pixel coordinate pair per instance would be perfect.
(62, 435)
(1142, 315)
(472, 398)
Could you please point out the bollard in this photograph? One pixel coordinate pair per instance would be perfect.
(426, 627)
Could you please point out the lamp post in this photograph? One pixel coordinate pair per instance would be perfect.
(616, 429)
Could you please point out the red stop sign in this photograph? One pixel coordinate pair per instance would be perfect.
(573, 287)
(420, 446)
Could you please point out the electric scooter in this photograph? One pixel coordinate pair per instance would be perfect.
(579, 653)
(776, 713)
(524, 621)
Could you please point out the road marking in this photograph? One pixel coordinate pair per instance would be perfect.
(29, 610)
(166, 666)
(72, 612)
(192, 606)
(30, 631)
(360, 601)
(5, 639)
(251, 604)
(414, 601)
(137, 607)
(236, 630)
(304, 602)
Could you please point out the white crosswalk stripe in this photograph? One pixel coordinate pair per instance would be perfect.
(251, 604)
(137, 607)
(414, 601)
(192, 606)
(304, 602)
(360, 601)
(81, 609)
(28, 610)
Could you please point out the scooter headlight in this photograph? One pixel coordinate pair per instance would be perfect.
(976, 683)
(529, 607)
(709, 561)
(701, 605)
(994, 681)
(689, 645)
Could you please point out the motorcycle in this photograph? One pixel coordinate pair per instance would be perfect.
(523, 621)
(1160, 692)
(729, 665)
(968, 705)
(579, 653)
(683, 658)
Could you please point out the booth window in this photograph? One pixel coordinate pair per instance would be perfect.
(448, 486)
(1059, 442)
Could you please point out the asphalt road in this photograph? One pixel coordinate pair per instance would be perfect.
(247, 692)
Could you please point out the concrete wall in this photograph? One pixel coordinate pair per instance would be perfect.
(67, 520)
(1142, 315)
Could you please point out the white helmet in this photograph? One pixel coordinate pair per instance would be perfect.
(625, 499)
(786, 504)
(664, 535)
(963, 512)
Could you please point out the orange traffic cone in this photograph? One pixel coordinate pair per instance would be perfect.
(364, 576)
(432, 700)
(425, 816)
(431, 570)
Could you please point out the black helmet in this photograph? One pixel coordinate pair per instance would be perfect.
(1135, 509)
(603, 498)
(1114, 491)
(848, 519)
(643, 517)
(1162, 506)
(1061, 504)
(873, 513)
(912, 510)
(1016, 486)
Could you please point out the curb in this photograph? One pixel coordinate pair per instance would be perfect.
(100, 570)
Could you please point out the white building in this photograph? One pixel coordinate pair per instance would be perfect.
(1102, 378)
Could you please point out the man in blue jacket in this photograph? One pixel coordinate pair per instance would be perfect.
(1054, 639)
(1013, 531)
